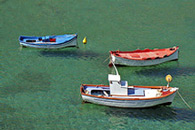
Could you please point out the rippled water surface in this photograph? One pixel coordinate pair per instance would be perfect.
(40, 88)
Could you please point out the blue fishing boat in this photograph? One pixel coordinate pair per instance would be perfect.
(49, 42)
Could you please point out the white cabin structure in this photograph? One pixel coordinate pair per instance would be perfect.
(117, 87)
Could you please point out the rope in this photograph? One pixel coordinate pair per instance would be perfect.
(115, 68)
(106, 59)
(184, 100)
(20, 48)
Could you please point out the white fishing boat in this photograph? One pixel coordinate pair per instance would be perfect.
(119, 94)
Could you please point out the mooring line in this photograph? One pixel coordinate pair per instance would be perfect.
(184, 100)
(106, 59)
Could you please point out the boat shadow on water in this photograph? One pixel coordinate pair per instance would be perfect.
(70, 54)
(162, 71)
(154, 113)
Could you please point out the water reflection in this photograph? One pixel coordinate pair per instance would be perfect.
(70, 53)
(154, 113)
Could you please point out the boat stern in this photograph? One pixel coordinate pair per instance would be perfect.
(174, 89)
(75, 37)
(82, 90)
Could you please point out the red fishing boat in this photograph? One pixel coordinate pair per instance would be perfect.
(144, 57)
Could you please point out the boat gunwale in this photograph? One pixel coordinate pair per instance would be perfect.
(49, 43)
(162, 96)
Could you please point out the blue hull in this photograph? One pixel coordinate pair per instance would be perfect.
(49, 42)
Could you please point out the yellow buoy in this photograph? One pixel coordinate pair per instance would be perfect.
(85, 40)
(168, 78)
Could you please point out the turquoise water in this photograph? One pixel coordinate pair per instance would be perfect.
(40, 88)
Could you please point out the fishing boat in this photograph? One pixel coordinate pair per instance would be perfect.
(119, 94)
(49, 42)
(144, 57)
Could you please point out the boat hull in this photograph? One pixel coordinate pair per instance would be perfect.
(129, 103)
(49, 45)
(128, 62)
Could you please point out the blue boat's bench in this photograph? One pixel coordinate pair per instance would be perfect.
(136, 91)
(89, 88)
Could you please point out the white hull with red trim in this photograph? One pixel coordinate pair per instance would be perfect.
(129, 62)
(119, 94)
(130, 103)
(117, 60)
(136, 96)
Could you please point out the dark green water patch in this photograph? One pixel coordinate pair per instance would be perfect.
(4, 108)
(27, 81)
(72, 100)
(67, 119)
(40, 3)
(15, 122)
(3, 1)
(154, 113)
